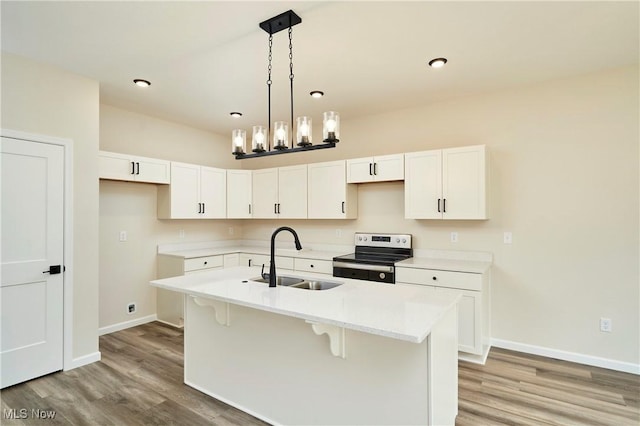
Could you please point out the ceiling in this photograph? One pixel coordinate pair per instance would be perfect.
(208, 58)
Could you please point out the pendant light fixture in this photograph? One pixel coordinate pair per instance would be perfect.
(282, 137)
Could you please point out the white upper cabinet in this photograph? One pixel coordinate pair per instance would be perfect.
(375, 169)
(280, 193)
(239, 194)
(446, 184)
(195, 192)
(133, 168)
(330, 196)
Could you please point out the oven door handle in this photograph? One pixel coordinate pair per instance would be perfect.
(363, 266)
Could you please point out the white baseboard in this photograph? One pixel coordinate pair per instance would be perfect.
(626, 367)
(170, 323)
(126, 324)
(83, 360)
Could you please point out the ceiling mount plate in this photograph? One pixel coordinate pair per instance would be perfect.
(280, 22)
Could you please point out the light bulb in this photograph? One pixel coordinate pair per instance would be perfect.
(331, 125)
(280, 134)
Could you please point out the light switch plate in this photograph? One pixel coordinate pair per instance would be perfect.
(454, 237)
(123, 235)
(508, 237)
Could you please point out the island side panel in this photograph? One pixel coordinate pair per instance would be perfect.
(443, 369)
(276, 368)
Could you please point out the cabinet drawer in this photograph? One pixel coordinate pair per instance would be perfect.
(206, 262)
(313, 265)
(437, 278)
(263, 259)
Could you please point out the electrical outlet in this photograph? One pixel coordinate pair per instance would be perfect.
(454, 237)
(123, 235)
(508, 238)
(231, 230)
(181, 233)
(338, 233)
(131, 308)
(606, 325)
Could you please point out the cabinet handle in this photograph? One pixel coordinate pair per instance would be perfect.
(444, 205)
(343, 207)
(278, 208)
(199, 207)
(137, 168)
(439, 206)
(249, 213)
(133, 168)
(275, 208)
(203, 207)
(375, 169)
(370, 169)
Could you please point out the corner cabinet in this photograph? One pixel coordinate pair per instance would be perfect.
(446, 184)
(280, 193)
(474, 308)
(195, 192)
(130, 168)
(375, 169)
(239, 194)
(330, 196)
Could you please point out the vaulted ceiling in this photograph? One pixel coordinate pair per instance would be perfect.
(208, 58)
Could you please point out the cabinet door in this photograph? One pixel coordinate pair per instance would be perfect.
(360, 170)
(464, 182)
(116, 166)
(469, 320)
(329, 195)
(213, 192)
(151, 170)
(185, 191)
(423, 185)
(388, 167)
(238, 194)
(292, 192)
(265, 193)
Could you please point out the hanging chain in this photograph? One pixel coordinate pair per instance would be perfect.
(268, 142)
(291, 78)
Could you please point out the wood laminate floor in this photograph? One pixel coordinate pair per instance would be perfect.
(139, 382)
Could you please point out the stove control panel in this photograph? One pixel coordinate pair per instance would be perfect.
(383, 240)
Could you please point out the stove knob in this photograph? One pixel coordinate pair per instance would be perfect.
(382, 275)
(365, 238)
(359, 238)
(404, 240)
(397, 240)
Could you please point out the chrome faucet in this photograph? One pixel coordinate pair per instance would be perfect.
(272, 267)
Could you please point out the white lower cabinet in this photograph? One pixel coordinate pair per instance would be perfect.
(474, 318)
(313, 265)
(257, 260)
(170, 305)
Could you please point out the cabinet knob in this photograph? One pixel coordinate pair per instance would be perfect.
(206, 263)
(312, 266)
(434, 278)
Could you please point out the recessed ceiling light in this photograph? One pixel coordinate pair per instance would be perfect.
(142, 83)
(437, 62)
(316, 94)
(235, 114)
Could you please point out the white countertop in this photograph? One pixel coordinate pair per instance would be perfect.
(456, 265)
(217, 251)
(403, 312)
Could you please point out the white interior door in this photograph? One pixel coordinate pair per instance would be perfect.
(31, 297)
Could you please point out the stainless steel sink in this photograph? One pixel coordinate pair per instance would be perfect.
(295, 282)
(281, 280)
(316, 285)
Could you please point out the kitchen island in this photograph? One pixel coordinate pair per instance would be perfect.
(358, 353)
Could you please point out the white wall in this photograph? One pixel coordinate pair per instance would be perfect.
(564, 165)
(40, 99)
(127, 267)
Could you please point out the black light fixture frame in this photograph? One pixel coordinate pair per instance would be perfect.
(273, 25)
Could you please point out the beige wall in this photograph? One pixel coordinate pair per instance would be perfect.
(127, 267)
(40, 99)
(564, 165)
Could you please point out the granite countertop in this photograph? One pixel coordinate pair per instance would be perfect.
(401, 312)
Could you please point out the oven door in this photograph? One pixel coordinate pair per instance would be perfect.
(363, 271)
